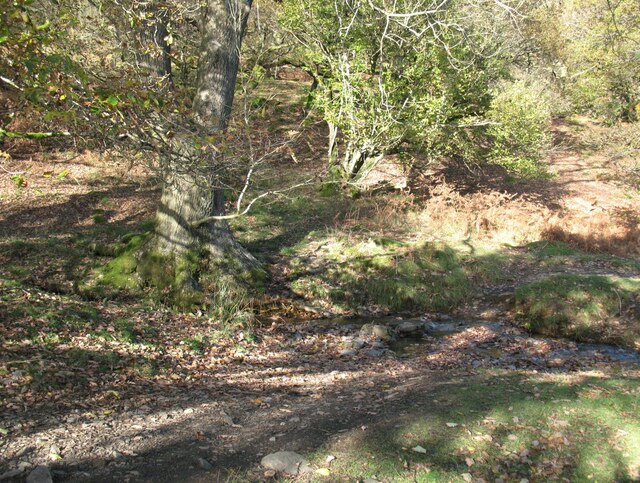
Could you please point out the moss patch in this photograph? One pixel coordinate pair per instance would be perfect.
(385, 273)
(185, 282)
(584, 308)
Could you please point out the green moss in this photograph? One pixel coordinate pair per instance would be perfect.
(120, 272)
(156, 269)
(126, 331)
(585, 308)
(98, 216)
(387, 274)
(123, 271)
(551, 249)
(197, 343)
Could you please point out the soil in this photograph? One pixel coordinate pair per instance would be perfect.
(296, 393)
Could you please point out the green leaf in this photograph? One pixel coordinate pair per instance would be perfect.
(44, 26)
(112, 101)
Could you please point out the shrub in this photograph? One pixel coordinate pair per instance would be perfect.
(521, 111)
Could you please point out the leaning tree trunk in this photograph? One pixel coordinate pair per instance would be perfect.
(192, 204)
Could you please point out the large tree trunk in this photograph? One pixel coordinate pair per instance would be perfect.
(193, 193)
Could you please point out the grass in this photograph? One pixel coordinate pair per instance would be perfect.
(386, 273)
(584, 427)
(584, 308)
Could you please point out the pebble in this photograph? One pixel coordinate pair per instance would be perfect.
(204, 464)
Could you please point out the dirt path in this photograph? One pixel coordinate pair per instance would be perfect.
(304, 396)
(585, 179)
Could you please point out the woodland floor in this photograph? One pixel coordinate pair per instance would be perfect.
(125, 389)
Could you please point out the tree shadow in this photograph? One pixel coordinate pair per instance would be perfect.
(77, 213)
(468, 180)
(375, 434)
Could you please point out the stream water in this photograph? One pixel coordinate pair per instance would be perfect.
(406, 343)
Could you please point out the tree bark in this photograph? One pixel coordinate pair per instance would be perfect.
(191, 193)
(154, 52)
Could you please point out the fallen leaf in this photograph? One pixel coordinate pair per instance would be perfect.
(469, 462)
(323, 471)
(419, 449)
(452, 425)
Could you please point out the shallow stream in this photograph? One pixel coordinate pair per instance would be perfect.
(501, 341)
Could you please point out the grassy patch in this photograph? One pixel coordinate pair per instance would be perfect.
(585, 308)
(385, 273)
(542, 428)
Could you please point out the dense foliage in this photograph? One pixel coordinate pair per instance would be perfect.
(474, 79)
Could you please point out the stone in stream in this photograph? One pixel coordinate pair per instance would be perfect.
(287, 462)
(356, 344)
(40, 474)
(375, 330)
(376, 353)
(440, 328)
(348, 353)
(410, 327)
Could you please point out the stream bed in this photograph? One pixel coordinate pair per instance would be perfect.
(480, 343)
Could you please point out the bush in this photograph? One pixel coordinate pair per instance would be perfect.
(522, 112)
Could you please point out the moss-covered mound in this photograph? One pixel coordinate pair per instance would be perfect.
(590, 308)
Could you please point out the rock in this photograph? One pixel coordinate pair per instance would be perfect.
(10, 474)
(375, 330)
(366, 330)
(435, 328)
(378, 345)
(25, 451)
(40, 474)
(356, 344)
(348, 353)
(410, 327)
(204, 464)
(381, 332)
(287, 462)
(376, 353)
